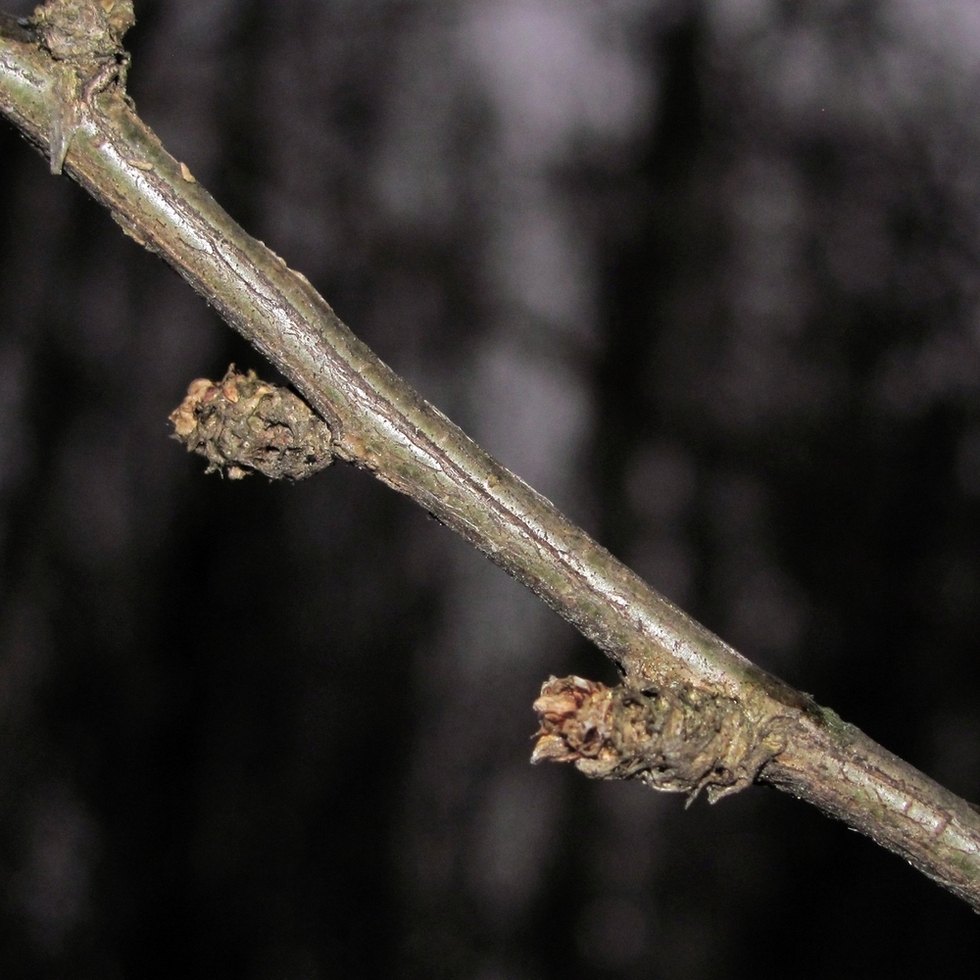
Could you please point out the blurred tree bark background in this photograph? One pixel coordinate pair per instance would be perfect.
(705, 273)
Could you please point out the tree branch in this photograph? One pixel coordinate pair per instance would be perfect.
(381, 424)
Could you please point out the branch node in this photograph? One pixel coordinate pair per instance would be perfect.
(84, 38)
(679, 739)
(241, 424)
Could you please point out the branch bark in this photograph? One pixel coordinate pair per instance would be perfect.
(73, 106)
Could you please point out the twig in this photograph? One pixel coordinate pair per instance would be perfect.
(379, 423)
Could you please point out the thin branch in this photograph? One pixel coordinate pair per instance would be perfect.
(379, 423)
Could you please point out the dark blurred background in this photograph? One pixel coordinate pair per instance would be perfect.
(704, 272)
